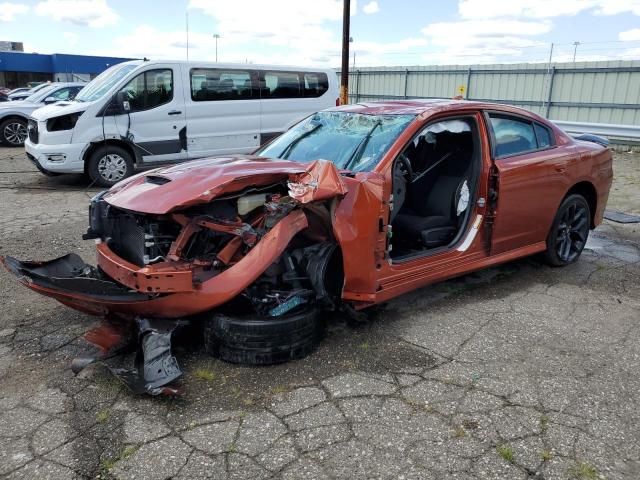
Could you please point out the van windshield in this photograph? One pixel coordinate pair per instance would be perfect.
(352, 141)
(100, 85)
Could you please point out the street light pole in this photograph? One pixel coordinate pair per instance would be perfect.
(344, 74)
(354, 55)
(216, 36)
(575, 49)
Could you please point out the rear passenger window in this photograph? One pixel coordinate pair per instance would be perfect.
(149, 90)
(281, 85)
(543, 135)
(315, 84)
(210, 84)
(512, 136)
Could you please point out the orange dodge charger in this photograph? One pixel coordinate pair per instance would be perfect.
(351, 207)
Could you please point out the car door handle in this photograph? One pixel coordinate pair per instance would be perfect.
(560, 169)
(175, 112)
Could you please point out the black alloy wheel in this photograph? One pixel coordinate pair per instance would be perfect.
(569, 232)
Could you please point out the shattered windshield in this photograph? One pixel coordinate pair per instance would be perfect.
(352, 141)
(100, 85)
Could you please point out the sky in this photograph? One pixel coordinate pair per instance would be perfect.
(308, 32)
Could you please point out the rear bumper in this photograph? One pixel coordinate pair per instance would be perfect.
(165, 290)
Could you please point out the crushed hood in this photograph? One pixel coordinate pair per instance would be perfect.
(163, 190)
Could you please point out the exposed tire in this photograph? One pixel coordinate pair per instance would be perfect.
(108, 165)
(569, 231)
(13, 132)
(263, 341)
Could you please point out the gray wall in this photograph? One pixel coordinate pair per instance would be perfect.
(592, 92)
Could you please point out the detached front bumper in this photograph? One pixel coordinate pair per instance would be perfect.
(123, 289)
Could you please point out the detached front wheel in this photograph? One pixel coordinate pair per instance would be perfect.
(263, 341)
(569, 232)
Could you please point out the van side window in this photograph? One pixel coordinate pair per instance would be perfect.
(512, 135)
(209, 84)
(149, 89)
(315, 84)
(280, 85)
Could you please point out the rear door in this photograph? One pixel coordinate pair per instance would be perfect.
(156, 122)
(223, 111)
(523, 190)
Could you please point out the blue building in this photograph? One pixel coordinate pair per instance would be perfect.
(18, 68)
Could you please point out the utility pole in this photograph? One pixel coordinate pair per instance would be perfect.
(548, 74)
(354, 55)
(216, 36)
(186, 17)
(344, 74)
(575, 49)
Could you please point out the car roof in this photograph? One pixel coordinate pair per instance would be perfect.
(242, 66)
(427, 106)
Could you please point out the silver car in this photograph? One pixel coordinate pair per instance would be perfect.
(14, 115)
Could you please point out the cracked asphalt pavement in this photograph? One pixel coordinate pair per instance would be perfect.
(516, 372)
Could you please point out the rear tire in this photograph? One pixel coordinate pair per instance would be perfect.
(263, 341)
(569, 231)
(108, 165)
(13, 132)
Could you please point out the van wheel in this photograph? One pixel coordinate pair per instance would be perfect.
(108, 165)
(13, 132)
(569, 231)
(263, 341)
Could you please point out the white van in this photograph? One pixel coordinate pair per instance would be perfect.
(142, 113)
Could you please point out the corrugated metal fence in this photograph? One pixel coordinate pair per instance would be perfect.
(589, 92)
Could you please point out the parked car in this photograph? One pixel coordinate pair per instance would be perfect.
(350, 208)
(143, 113)
(19, 90)
(23, 94)
(14, 115)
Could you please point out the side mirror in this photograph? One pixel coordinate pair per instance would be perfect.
(49, 100)
(122, 103)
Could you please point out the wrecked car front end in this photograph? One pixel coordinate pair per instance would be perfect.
(177, 242)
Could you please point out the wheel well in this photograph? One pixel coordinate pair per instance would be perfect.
(588, 191)
(334, 277)
(101, 143)
(13, 116)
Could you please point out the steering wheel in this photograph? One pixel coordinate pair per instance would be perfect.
(406, 163)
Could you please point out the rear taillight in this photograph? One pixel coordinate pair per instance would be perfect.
(338, 102)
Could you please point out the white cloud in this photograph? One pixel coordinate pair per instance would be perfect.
(614, 7)
(371, 7)
(477, 9)
(269, 20)
(445, 33)
(92, 13)
(483, 41)
(281, 33)
(71, 38)
(9, 10)
(630, 35)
